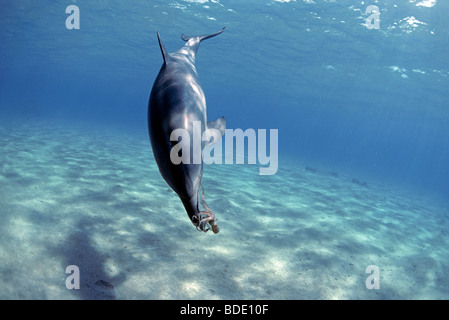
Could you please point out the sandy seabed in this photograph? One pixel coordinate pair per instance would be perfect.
(74, 194)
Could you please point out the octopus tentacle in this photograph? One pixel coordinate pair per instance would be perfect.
(203, 218)
(200, 223)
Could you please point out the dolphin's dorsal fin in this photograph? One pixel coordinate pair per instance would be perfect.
(163, 50)
(202, 37)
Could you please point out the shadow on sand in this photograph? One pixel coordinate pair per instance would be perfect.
(95, 282)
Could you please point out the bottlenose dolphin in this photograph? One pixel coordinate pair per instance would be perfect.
(176, 101)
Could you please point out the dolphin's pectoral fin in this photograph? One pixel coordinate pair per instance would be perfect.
(219, 124)
(204, 36)
(215, 129)
(161, 45)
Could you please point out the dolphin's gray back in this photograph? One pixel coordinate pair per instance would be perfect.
(176, 101)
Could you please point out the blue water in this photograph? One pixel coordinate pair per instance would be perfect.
(373, 102)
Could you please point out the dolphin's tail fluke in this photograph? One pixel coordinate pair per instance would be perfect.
(203, 37)
(191, 46)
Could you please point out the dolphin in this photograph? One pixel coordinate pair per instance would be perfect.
(176, 101)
